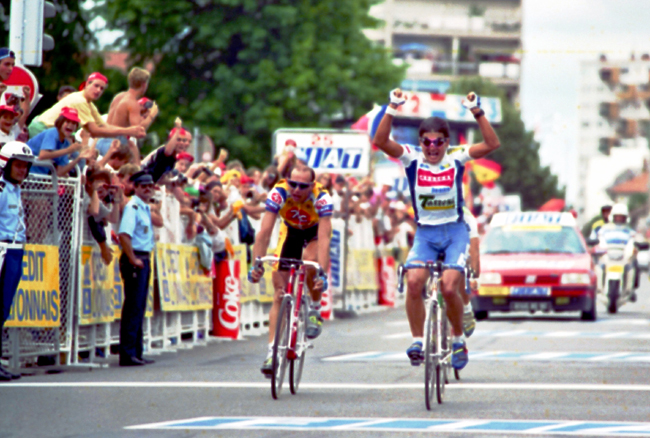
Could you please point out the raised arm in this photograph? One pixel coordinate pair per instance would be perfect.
(263, 237)
(382, 136)
(490, 141)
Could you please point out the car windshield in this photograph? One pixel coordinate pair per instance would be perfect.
(532, 239)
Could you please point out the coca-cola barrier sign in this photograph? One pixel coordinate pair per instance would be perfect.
(226, 314)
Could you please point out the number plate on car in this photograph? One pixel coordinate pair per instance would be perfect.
(530, 305)
(530, 291)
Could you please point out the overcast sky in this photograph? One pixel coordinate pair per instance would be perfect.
(557, 35)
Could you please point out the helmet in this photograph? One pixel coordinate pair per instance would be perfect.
(619, 210)
(15, 150)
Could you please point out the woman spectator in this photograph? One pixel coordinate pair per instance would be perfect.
(270, 178)
(325, 179)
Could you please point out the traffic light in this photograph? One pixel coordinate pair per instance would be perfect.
(26, 35)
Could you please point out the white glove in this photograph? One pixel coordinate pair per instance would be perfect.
(397, 97)
(472, 101)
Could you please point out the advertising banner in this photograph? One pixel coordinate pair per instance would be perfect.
(341, 152)
(102, 289)
(226, 315)
(37, 302)
(361, 270)
(420, 105)
(387, 281)
(182, 283)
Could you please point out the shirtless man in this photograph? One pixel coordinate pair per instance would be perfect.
(128, 107)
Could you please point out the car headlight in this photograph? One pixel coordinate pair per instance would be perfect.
(575, 278)
(490, 278)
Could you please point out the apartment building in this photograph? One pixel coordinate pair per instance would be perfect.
(442, 40)
(614, 128)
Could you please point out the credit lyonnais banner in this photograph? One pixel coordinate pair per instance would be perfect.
(37, 302)
(182, 283)
(102, 289)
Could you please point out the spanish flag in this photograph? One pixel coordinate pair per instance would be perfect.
(485, 171)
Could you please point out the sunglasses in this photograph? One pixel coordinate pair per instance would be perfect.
(437, 142)
(298, 185)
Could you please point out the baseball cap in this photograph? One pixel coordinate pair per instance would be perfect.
(245, 179)
(185, 156)
(92, 77)
(8, 108)
(143, 100)
(181, 131)
(6, 53)
(70, 114)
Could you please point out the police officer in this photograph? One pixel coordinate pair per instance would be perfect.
(136, 238)
(16, 160)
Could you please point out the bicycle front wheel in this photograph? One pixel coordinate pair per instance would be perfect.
(295, 365)
(281, 346)
(430, 351)
(441, 367)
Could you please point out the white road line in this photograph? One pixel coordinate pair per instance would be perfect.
(544, 356)
(345, 357)
(615, 335)
(328, 386)
(606, 357)
(560, 334)
(509, 333)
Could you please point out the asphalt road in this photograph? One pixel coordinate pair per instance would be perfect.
(546, 375)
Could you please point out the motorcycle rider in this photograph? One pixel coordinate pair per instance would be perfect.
(605, 213)
(619, 233)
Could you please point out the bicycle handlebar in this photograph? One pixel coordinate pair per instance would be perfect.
(273, 259)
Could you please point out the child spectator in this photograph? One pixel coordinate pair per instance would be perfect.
(101, 206)
(55, 144)
(9, 129)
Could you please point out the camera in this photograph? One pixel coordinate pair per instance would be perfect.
(195, 205)
(148, 104)
(13, 99)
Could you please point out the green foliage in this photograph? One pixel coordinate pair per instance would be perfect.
(240, 69)
(65, 64)
(637, 200)
(518, 155)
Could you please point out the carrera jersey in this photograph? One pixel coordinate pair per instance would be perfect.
(299, 215)
(436, 189)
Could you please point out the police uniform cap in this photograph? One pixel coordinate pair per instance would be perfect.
(141, 177)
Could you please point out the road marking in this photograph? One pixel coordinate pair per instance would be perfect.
(324, 424)
(336, 386)
(393, 356)
(541, 334)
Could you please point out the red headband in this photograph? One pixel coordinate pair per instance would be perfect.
(92, 77)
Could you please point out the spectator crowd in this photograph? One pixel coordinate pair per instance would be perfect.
(196, 201)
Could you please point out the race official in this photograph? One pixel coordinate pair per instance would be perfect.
(136, 238)
(16, 159)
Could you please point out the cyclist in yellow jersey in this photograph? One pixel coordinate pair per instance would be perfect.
(306, 209)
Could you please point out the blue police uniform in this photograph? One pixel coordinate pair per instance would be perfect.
(12, 229)
(136, 222)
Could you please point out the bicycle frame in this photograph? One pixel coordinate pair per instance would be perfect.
(293, 353)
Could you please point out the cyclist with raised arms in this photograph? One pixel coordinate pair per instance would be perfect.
(306, 209)
(435, 182)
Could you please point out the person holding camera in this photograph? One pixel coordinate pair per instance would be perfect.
(101, 205)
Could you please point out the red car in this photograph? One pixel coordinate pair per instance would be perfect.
(535, 261)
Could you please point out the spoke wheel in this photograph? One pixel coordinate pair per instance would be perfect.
(430, 351)
(295, 365)
(280, 346)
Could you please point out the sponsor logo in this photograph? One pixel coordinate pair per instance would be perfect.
(429, 202)
(297, 215)
(229, 313)
(441, 179)
(335, 258)
(321, 203)
(276, 197)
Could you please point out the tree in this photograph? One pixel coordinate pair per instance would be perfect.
(518, 155)
(65, 65)
(240, 69)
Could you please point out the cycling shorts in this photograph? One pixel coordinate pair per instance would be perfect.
(292, 241)
(430, 241)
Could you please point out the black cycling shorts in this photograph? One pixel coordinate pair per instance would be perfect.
(292, 241)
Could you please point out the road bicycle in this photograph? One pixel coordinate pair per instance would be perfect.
(437, 335)
(290, 343)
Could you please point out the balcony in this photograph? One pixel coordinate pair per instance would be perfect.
(610, 111)
(627, 128)
(506, 72)
(507, 28)
(607, 143)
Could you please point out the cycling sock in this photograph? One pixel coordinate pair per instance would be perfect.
(315, 306)
(420, 340)
(468, 307)
(457, 339)
(269, 352)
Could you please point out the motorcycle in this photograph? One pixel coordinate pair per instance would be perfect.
(617, 273)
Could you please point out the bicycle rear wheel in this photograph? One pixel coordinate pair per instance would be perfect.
(295, 365)
(443, 341)
(430, 351)
(280, 346)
